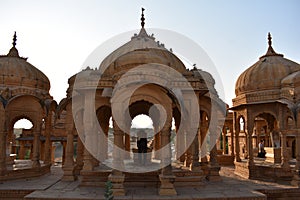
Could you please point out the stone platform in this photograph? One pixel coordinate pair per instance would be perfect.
(231, 187)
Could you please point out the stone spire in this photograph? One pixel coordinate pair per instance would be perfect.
(143, 18)
(14, 40)
(270, 51)
(13, 52)
(142, 32)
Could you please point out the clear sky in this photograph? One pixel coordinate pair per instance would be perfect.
(57, 36)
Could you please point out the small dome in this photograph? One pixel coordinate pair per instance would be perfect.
(16, 71)
(265, 74)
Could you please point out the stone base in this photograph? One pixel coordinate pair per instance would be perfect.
(117, 182)
(225, 160)
(273, 155)
(167, 185)
(214, 174)
(273, 173)
(68, 174)
(296, 181)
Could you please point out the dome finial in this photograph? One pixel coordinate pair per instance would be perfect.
(143, 18)
(14, 40)
(269, 39)
(270, 51)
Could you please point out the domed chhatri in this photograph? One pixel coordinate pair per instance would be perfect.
(266, 109)
(15, 71)
(265, 75)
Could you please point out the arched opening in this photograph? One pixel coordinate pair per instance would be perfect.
(141, 138)
(242, 124)
(290, 123)
(20, 142)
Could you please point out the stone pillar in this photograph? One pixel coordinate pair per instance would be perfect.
(284, 159)
(224, 140)
(180, 146)
(22, 150)
(2, 152)
(42, 151)
(203, 131)
(117, 177)
(48, 144)
(103, 140)
(79, 158)
(250, 125)
(296, 178)
(188, 152)
(166, 177)
(127, 146)
(89, 133)
(64, 145)
(214, 167)
(36, 146)
(236, 133)
(68, 166)
(232, 141)
(157, 143)
(87, 160)
(195, 165)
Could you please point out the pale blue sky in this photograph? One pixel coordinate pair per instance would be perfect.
(57, 36)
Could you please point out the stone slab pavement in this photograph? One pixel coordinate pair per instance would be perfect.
(231, 187)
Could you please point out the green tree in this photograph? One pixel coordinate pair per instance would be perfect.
(108, 194)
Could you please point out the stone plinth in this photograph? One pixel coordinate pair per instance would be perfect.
(117, 182)
(167, 185)
(68, 173)
(213, 174)
(296, 179)
(225, 160)
(273, 155)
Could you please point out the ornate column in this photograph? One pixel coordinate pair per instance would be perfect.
(224, 139)
(117, 177)
(36, 146)
(236, 133)
(2, 152)
(284, 161)
(296, 178)
(180, 146)
(166, 177)
(203, 132)
(79, 158)
(22, 150)
(195, 165)
(188, 152)
(68, 166)
(127, 145)
(250, 126)
(214, 167)
(232, 141)
(157, 142)
(48, 145)
(64, 145)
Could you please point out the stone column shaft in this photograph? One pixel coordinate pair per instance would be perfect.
(2, 152)
(284, 161)
(249, 143)
(68, 166)
(48, 145)
(36, 147)
(224, 141)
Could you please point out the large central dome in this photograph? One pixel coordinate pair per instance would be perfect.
(141, 49)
